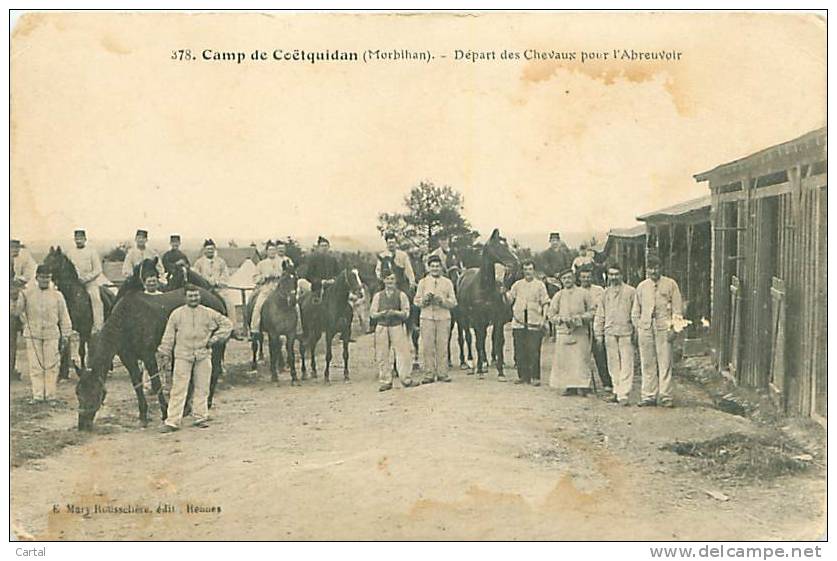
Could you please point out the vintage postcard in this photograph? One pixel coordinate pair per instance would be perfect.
(418, 276)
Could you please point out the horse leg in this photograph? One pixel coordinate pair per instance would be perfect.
(64, 366)
(157, 386)
(302, 356)
(314, 340)
(280, 356)
(346, 337)
(479, 366)
(273, 350)
(254, 346)
(328, 340)
(136, 380)
(498, 340)
(261, 347)
(450, 337)
(217, 362)
(289, 347)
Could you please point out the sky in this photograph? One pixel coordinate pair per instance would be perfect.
(110, 134)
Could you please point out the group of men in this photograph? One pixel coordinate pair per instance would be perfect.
(597, 329)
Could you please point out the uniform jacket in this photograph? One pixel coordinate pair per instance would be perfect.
(191, 331)
(44, 314)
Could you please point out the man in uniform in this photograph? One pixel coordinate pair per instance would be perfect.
(174, 257)
(599, 358)
(436, 298)
(656, 305)
(321, 267)
(613, 329)
(400, 259)
(267, 276)
(450, 259)
(89, 268)
(47, 329)
(22, 263)
(529, 301)
(211, 266)
(191, 331)
(555, 259)
(139, 253)
(390, 309)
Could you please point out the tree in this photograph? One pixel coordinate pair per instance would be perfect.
(118, 253)
(430, 211)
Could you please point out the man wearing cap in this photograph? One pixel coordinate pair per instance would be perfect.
(47, 328)
(211, 266)
(529, 301)
(657, 304)
(321, 268)
(22, 263)
(174, 257)
(191, 331)
(613, 330)
(89, 268)
(400, 258)
(450, 259)
(599, 355)
(555, 259)
(390, 309)
(139, 253)
(15, 325)
(436, 298)
(267, 276)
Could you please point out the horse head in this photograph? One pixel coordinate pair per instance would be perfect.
(63, 270)
(287, 285)
(497, 250)
(90, 388)
(353, 282)
(387, 262)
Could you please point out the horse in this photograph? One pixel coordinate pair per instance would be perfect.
(65, 277)
(278, 318)
(133, 331)
(463, 335)
(329, 313)
(482, 303)
(412, 323)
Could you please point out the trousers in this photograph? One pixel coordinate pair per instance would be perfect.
(434, 340)
(527, 352)
(261, 296)
(391, 341)
(44, 359)
(620, 362)
(655, 360)
(198, 370)
(96, 303)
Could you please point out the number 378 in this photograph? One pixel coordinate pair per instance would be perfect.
(181, 54)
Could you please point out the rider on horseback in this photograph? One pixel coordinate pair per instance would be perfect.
(267, 276)
(136, 255)
(174, 258)
(321, 267)
(89, 268)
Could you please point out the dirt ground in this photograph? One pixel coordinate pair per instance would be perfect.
(467, 460)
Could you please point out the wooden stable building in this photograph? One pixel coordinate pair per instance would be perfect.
(626, 246)
(769, 271)
(681, 236)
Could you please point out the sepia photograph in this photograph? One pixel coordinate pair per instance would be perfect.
(316, 276)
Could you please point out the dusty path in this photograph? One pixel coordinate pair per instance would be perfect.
(466, 460)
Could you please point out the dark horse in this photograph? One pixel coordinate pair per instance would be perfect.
(278, 318)
(412, 323)
(65, 277)
(329, 314)
(463, 334)
(133, 331)
(482, 304)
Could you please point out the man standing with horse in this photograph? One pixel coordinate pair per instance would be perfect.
(89, 268)
(47, 328)
(390, 309)
(436, 298)
(211, 266)
(136, 255)
(191, 331)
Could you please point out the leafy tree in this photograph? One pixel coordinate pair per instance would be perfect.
(430, 211)
(117, 254)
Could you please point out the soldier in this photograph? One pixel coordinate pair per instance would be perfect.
(174, 257)
(138, 254)
(555, 259)
(450, 259)
(657, 303)
(22, 263)
(599, 356)
(211, 266)
(399, 257)
(436, 298)
(390, 309)
(89, 268)
(267, 276)
(47, 329)
(321, 267)
(612, 327)
(529, 301)
(190, 332)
